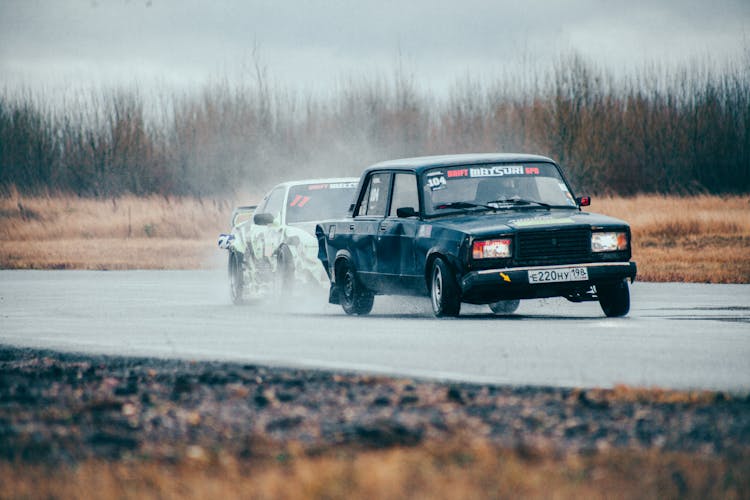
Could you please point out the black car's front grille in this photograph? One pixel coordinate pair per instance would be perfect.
(559, 246)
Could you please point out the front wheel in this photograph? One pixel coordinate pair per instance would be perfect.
(444, 291)
(284, 277)
(354, 297)
(505, 306)
(614, 298)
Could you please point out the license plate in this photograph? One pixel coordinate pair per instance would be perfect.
(559, 274)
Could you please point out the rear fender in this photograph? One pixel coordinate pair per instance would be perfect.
(342, 256)
(333, 291)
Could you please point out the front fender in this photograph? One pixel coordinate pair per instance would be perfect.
(454, 262)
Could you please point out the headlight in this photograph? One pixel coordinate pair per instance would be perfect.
(491, 249)
(609, 242)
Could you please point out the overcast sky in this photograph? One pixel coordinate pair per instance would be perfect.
(314, 44)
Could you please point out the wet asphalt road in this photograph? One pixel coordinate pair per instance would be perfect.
(676, 336)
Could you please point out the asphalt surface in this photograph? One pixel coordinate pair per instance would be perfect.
(682, 336)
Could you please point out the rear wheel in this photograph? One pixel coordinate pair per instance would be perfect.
(236, 278)
(614, 298)
(505, 306)
(354, 297)
(444, 290)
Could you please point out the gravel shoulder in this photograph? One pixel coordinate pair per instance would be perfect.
(65, 408)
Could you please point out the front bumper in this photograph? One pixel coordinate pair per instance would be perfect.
(490, 285)
(309, 270)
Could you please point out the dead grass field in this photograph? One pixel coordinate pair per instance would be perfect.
(463, 469)
(124, 233)
(693, 239)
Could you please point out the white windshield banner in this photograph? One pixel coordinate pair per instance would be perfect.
(498, 171)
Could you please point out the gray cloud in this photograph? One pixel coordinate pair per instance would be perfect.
(313, 43)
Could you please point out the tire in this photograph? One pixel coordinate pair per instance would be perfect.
(444, 292)
(284, 272)
(236, 278)
(503, 307)
(614, 298)
(354, 298)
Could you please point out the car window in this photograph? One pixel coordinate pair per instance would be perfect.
(375, 200)
(275, 203)
(319, 201)
(493, 185)
(404, 193)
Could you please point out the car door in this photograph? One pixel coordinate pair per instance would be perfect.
(396, 261)
(368, 216)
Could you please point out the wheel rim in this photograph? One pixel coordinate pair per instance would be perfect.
(437, 288)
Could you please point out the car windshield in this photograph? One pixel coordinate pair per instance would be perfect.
(481, 187)
(315, 202)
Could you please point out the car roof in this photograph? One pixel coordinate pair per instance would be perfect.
(327, 180)
(424, 162)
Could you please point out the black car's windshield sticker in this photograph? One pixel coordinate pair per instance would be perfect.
(497, 171)
(493, 171)
(436, 181)
(461, 172)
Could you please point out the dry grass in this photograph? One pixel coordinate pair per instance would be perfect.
(110, 254)
(670, 219)
(69, 217)
(66, 232)
(458, 470)
(696, 239)
(621, 393)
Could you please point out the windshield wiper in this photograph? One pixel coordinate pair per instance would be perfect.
(520, 201)
(462, 204)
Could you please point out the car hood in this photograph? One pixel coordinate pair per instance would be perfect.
(524, 219)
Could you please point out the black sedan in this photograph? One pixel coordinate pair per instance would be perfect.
(480, 229)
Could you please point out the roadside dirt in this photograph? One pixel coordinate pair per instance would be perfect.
(66, 408)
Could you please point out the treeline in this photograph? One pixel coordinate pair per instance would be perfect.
(657, 130)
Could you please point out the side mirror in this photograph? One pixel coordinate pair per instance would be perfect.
(406, 212)
(263, 219)
(583, 201)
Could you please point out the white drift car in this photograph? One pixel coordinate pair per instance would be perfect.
(275, 249)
